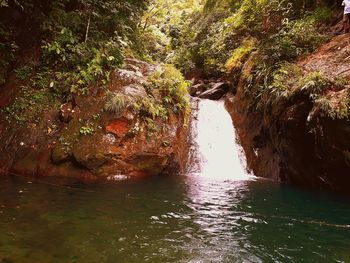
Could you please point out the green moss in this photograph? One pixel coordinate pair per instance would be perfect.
(240, 54)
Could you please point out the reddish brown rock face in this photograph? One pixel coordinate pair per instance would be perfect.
(118, 127)
(294, 141)
(81, 139)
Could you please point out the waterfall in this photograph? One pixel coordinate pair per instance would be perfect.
(215, 151)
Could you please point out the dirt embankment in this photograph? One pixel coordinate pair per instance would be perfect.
(296, 141)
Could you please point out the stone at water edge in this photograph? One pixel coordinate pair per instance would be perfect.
(216, 92)
(197, 89)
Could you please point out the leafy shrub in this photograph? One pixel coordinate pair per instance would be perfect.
(24, 72)
(82, 40)
(149, 107)
(239, 54)
(335, 105)
(28, 105)
(284, 80)
(90, 64)
(166, 94)
(322, 14)
(296, 38)
(172, 87)
(41, 80)
(85, 130)
(315, 83)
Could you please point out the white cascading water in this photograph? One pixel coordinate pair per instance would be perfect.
(218, 154)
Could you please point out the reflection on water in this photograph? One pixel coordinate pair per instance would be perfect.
(211, 215)
(173, 219)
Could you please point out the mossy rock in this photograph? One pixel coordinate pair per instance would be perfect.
(152, 164)
(61, 154)
(92, 151)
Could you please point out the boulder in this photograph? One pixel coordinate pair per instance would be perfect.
(197, 89)
(216, 91)
(91, 152)
(149, 163)
(90, 142)
(61, 154)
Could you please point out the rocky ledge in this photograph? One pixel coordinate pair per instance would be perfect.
(302, 135)
(130, 128)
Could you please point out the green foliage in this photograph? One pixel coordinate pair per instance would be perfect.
(286, 29)
(222, 28)
(284, 80)
(172, 87)
(166, 94)
(8, 49)
(86, 130)
(28, 105)
(24, 72)
(314, 83)
(90, 64)
(42, 80)
(150, 107)
(82, 40)
(335, 106)
(295, 38)
(60, 48)
(322, 14)
(163, 23)
(239, 54)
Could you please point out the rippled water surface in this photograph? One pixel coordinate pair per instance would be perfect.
(172, 219)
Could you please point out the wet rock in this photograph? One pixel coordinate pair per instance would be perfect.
(61, 154)
(90, 153)
(134, 91)
(216, 92)
(197, 89)
(149, 163)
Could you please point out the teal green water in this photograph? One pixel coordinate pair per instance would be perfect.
(170, 219)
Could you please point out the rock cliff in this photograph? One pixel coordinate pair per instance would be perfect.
(302, 136)
(131, 128)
